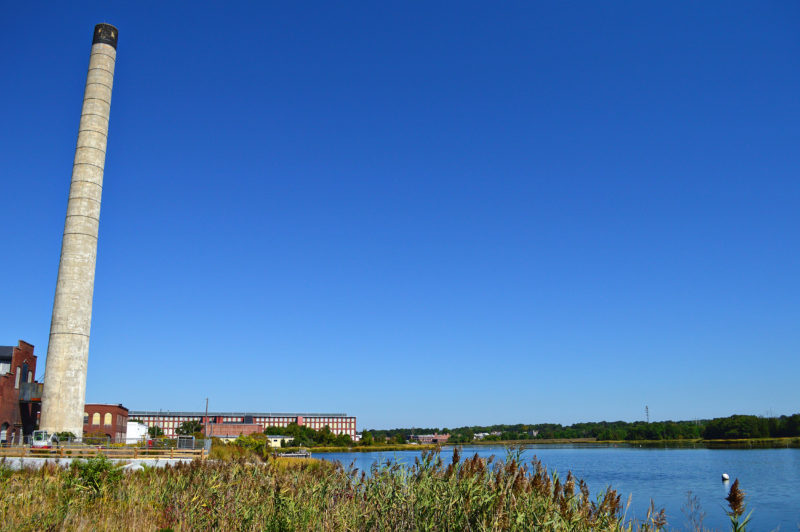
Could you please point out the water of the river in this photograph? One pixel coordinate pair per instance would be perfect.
(769, 477)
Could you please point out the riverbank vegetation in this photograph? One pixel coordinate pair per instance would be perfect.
(285, 494)
(727, 428)
(302, 436)
(305, 495)
(258, 445)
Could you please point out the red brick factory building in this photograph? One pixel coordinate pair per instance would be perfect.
(227, 423)
(431, 438)
(21, 396)
(106, 420)
(20, 393)
(21, 401)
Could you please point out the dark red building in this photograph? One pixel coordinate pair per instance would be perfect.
(431, 438)
(105, 420)
(231, 431)
(20, 393)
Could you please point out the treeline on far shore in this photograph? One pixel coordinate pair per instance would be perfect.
(724, 428)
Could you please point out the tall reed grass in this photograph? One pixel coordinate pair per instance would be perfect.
(284, 494)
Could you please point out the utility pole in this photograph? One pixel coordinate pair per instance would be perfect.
(205, 425)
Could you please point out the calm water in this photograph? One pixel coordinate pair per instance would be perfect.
(769, 477)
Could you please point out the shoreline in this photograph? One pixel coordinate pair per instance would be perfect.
(747, 443)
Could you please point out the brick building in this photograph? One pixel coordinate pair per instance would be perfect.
(231, 431)
(105, 420)
(170, 421)
(431, 438)
(20, 393)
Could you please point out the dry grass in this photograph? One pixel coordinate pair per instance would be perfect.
(286, 494)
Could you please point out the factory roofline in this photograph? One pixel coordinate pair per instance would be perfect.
(106, 404)
(134, 413)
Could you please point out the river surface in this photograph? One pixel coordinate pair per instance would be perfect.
(770, 478)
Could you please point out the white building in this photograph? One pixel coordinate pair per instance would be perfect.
(275, 440)
(137, 432)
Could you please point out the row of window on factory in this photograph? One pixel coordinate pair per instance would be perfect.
(107, 419)
(285, 420)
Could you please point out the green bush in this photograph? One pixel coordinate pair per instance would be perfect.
(95, 474)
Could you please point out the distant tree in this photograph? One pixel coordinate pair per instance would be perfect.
(308, 437)
(462, 436)
(736, 426)
(366, 438)
(379, 436)
(399, 438)
(774, 426)
(155, 431)
(324, 436)
(791, 426)
(188, 428)
(344, 440)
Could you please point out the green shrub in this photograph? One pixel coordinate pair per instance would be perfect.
(95, 474)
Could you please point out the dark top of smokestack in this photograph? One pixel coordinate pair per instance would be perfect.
(106, 34)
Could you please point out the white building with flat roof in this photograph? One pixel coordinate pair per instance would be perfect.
(136, 432)
(275, 440)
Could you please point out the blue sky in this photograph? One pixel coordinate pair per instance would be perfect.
(421, 214)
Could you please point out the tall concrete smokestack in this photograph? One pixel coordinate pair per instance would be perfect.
(68, 351)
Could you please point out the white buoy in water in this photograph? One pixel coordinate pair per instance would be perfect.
(725, 477)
